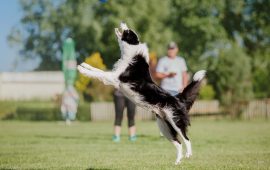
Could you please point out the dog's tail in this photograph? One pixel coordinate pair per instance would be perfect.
(190, 93)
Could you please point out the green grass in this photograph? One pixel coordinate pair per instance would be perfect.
(217, 144)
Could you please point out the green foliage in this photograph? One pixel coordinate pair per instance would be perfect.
(249, 21)
(201, 28)
(39, 111)
(261, 74)
(91, 88)
(97, 91)
(207, 92)
(143, 16)
(230, 74)
(9, 109)
(196, 25)
(83, 113)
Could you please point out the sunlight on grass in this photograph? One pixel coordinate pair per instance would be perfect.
(51, 145)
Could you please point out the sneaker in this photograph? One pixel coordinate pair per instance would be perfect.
(116, 138)
(133, 138)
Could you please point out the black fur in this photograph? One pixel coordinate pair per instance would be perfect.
(130, 37)
(172, 131)
(138, 76)
(136, 83)
(189, 94)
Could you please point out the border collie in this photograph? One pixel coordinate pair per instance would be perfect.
(131, 75)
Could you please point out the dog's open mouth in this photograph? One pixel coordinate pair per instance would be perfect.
(119, 31)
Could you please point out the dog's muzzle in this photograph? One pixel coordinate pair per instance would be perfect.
(119, 32)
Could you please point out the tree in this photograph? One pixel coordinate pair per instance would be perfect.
(46, 24)
(248, 22)
(91, 88)
(197, 29)
(248, 19)
(261, 74)
(203, 30)
(42, 38)
(145, 17)
(230, 74)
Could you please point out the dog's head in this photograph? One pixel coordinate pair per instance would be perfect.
(127, 35)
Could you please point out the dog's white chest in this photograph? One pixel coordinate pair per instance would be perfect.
(129, 93)
(138, 99)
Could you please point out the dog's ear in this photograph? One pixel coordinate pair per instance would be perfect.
(130, 37)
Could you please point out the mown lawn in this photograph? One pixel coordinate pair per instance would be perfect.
(217, 144)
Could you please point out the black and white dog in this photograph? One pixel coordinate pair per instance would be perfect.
(131, 75)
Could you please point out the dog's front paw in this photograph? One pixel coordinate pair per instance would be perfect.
(177, 162)
(81, 69)
(188, 155)
(85, 65)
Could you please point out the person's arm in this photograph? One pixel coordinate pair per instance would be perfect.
(184, 75)
(159, 75)
(185, 79)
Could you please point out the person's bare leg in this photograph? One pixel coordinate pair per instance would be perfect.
(132, 131)
(117, 130)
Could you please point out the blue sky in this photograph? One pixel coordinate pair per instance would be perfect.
(10, 14)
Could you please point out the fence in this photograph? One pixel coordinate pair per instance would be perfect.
(105, 110)
(257, 109)
(31, 85)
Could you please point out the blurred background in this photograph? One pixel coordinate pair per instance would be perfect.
(42, 41)
(230, 39)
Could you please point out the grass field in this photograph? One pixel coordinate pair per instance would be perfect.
(217, 144)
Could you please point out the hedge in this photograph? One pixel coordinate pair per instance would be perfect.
(40, 111)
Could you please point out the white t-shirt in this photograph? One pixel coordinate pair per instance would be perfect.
(176, 65)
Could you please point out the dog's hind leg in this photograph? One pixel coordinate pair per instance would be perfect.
(181, 132)
(187, 143)
(179, 156)
(184, 137)
(108, 78)
(168, 131)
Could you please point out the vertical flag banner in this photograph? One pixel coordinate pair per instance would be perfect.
(70, 98)
(69, 62)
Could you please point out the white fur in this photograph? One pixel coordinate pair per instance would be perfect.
(168, 113)
(133, 96)
(123, 26)
(189, 150)
(85, 65)
(127, 54)
(179, 149)
(108, 78)
(199, 75)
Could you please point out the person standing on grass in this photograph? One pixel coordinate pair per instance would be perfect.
(172, 71)
(120, 102)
